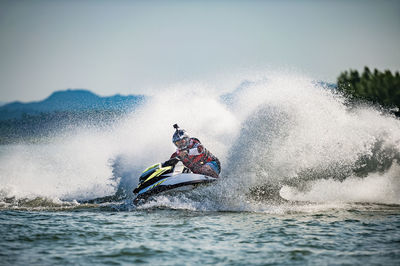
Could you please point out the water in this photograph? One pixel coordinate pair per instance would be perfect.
(354, 234)
(306, 179)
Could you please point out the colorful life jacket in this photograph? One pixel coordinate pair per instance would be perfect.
(195, 155)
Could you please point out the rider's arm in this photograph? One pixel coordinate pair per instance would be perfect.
(171, 162)
(175, 154)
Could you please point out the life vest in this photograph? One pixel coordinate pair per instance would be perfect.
(195, 155)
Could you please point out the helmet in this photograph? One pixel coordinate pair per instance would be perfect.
(180, 139)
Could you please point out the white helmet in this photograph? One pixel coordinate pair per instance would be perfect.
(180, 138)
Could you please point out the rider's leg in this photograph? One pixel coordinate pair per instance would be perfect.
(212, 168)
(207, 170)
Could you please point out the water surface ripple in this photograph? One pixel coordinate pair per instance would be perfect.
(357, 235)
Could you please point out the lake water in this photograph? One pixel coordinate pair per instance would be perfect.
(352, 234)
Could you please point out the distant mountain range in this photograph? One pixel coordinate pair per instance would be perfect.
(83, 101)
(64, 110)
(70, 101)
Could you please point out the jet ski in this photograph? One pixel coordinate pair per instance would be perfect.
(168, 177)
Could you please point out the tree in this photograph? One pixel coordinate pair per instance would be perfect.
(381, 88)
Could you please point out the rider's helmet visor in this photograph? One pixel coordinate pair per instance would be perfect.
(182, 143)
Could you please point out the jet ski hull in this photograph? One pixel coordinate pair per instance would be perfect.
(179, 182)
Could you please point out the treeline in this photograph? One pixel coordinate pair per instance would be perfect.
(381, 88)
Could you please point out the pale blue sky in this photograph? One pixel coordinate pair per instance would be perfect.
(132, 47)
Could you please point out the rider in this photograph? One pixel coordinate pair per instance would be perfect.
(193, 154)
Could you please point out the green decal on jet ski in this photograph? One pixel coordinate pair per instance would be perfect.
(158, 172)
(157, 179)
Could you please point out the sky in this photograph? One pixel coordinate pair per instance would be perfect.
(139, 47)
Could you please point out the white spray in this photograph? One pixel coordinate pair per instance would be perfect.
(279, 130)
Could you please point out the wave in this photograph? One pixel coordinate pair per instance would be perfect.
(375, 188)
(280, 137)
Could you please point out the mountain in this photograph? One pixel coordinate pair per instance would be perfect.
(71, 101)
(231, 97)
(327, 85)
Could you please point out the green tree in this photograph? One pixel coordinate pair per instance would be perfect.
(381, 88)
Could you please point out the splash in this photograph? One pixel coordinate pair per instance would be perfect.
(76, 166)
(279, 137)
(376, 187)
